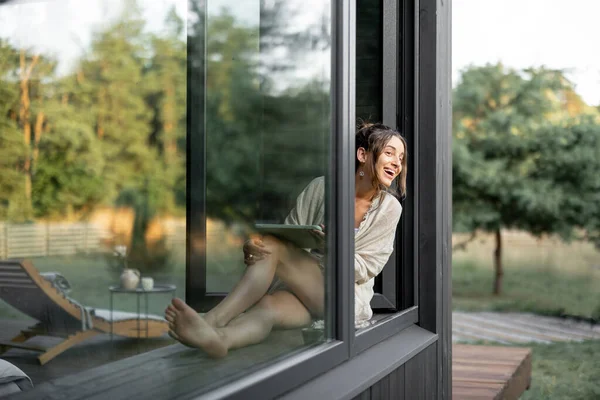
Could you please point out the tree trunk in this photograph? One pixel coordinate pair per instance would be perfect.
(37, 136)
(100, 120)
(169, 140)
(498, 264)
(24, 115)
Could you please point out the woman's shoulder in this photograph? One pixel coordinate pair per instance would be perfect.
(318, 181)
(390, 204)
(316, 185)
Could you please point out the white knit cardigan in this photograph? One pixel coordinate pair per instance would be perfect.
(373, 241)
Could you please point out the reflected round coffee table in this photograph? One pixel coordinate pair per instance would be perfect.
(138, 292)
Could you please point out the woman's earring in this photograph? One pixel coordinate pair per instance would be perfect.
(361, 173)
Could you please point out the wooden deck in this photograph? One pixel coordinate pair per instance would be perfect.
(490, 372)
(169, 371)
(95, 352)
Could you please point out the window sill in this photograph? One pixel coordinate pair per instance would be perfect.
(385, 328)
(367, 368)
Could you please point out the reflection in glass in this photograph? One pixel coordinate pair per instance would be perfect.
(265, 69)
(92, 176)
(93, 162)
(267, 119)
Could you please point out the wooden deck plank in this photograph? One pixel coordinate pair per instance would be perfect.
(472, 385)
(477, 393)
(17, 345)
(169, 372)
(490, 372)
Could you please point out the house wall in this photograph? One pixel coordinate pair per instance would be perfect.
(414, 380)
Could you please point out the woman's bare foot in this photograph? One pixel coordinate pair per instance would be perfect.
(192, 330)
(211, 319)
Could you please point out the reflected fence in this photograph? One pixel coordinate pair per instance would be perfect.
(61, 239)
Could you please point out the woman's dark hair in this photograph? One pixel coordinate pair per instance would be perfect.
(373, 138)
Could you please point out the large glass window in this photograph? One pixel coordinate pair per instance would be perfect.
(267, 119)
(260, 115)
(92, 178)
(119, 120)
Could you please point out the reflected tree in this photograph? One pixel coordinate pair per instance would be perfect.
(266, 125)
(12, 147)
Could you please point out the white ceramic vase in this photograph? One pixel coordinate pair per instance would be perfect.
(130, 278)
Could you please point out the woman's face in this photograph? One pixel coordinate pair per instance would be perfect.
(389, 163)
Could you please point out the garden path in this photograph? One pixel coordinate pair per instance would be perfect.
(509, 328)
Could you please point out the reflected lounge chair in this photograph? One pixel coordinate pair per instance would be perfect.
(24, 288)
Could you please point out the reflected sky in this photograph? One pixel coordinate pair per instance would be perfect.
(64, 28)
(307, 18)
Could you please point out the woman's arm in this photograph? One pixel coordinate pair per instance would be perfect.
(377, 245)
(309, 208)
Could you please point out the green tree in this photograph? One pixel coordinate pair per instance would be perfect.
(68, 178)
(266, 129)
(501, 155)
(12, 148)
(568, 157)
(166, 96)
(111, 88)
(22, 74)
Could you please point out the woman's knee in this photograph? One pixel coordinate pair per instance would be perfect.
(274, 245)
(271, 241)
(267, 302)
(268, 305)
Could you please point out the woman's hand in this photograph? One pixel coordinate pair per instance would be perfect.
(254, 250)
(320, 235)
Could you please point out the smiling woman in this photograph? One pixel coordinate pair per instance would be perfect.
(380, 164)
(255, 306)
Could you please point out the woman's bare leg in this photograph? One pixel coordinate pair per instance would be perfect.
(191, 329)
(296, 269)
(303, 277)
(251, 288)
(281, 309)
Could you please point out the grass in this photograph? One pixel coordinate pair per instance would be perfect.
(529, 288)
(565, 371)
(542, 277)
(90, 277)
(562, 370)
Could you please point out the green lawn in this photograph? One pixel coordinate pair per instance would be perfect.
(565, 371)
(90, 278)
(564, 284)
(527, 288)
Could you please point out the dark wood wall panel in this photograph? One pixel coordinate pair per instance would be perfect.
(414, 377)
(414, 380)
(369, 60)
